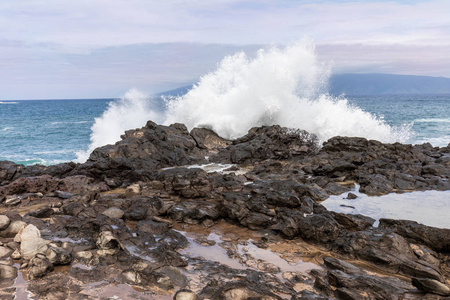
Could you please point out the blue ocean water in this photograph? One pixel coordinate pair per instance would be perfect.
(46, 131)
(54, 131)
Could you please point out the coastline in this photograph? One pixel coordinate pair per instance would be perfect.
(125, 216)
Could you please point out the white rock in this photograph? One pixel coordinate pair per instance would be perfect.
(114, 213)
(4, 222)
(5, 251)
(13, 228)
(31, 242)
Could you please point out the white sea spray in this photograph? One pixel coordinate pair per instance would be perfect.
(280, 85)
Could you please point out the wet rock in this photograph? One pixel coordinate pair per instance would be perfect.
(4, 222)
(31, 242)
(12, 200)
(142, 150)
(114, 213)
(7, 272)
(367, 285)
(185, 295)
(186, 182)
(176, 277)
(437, 239)
(147, 277)
(387, 250)
(267, 142)
(208, 139)
(39, 266)
(431, 286)
(308, 295)
(63, 194)
(351, 196)
(107, 241)
(153, 227)
(353, 222)
(46, 184)
(194, 212)
(42, 213)
(243, 291)
(375, 185)
(58, 255)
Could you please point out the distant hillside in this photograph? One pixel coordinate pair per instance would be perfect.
(176, 92)
(383, 84)
(370, 84)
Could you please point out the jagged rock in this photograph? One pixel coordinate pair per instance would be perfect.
(208, 139)
(143, 150)
(4, 222)
(107, 241)
(42, 213)
(375, 185)
(347, 277)
(46, 184)
(431, 286)
(153, 227)
(194, 212)
(268, 142)
(58, 256)
(39, 266)
(187, 182)
(437, 239)
(353, 222)
(388, 250)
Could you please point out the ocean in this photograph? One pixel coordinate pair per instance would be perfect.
(54, 131)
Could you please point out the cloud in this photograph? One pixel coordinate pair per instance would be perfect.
(100, 48)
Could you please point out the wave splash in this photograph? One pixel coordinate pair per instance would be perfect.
(131, 111)
(285, 86)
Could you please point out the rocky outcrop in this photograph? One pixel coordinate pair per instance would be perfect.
(146, 212)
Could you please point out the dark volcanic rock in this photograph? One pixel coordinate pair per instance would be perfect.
(144, 150)
(431, 286)
(268, 142)
(437, 239)
(387, 250)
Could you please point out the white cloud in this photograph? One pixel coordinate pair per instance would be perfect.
(120, 44)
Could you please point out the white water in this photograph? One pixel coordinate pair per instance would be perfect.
(131, 111)
(284, 86)
(431, 208)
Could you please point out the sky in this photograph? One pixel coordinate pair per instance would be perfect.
(101, 48)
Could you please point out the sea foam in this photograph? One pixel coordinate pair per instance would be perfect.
(131, 111)
(279, 85)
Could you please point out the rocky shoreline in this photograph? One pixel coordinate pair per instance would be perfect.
(171, 214)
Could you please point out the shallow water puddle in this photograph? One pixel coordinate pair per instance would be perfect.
(249, 255)
(103, 289)
(275, 259)
(212, 253)
(214, 167)
(431, 208)
(21, 284)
